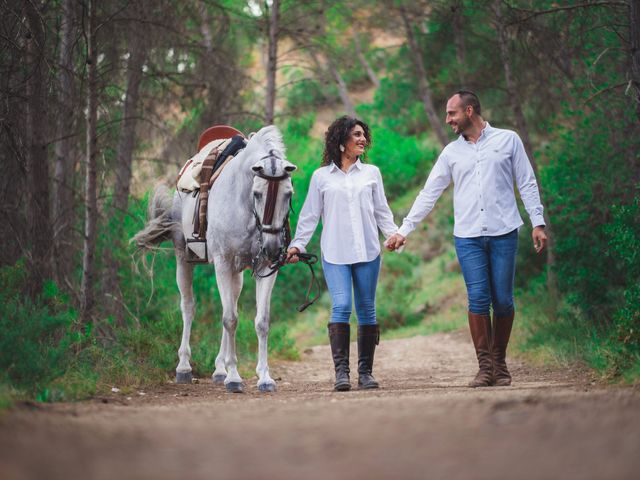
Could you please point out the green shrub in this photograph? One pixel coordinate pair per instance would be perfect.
(38, 337)
(396, 290)
(624, 242)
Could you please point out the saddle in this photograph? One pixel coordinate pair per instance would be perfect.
(217, 147)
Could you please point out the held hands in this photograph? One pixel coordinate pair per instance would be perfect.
(395, 242)
(539, 238)
(292, 255)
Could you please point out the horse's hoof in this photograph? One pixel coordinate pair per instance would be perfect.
(183, 377)
(267, 387)
(218, 379)
(234, 387)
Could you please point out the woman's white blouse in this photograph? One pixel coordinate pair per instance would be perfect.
(352, 206)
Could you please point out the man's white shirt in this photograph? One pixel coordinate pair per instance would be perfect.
(483, 175)
(352, 206)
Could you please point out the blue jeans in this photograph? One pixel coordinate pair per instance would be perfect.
(489, 266)
(340, 279)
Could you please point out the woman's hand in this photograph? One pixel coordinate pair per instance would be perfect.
(292, 255)
(395, 242)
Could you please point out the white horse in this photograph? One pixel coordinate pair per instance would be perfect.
(246, 229)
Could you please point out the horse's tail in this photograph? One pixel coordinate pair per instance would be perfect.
(160, 225)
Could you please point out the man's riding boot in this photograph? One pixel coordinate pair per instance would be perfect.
(480, 326)
(339, 337)
(501, 333)
(368, 338)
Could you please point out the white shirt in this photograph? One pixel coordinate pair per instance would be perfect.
(483, 174)
(352, 206)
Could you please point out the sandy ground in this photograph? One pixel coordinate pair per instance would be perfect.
(423, 423)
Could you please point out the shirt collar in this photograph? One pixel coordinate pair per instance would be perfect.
(483, 133)
(333, 167)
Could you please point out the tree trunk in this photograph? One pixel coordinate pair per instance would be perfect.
(216, 80)
(272, 62)
(634, 40)
(363, 61)
(126, 144)
(64, 168)
(37, 166)
(423, 84)
(523, 131)
(342, 88)
(458, 38)
(87, 299)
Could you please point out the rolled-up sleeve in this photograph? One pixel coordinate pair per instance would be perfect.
(381, 210)
(438, 180)
(309, 215)
(527, 185)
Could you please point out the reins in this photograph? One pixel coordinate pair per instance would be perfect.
(309, 259)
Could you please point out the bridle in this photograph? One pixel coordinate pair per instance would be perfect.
(267, 218)
(275, 263)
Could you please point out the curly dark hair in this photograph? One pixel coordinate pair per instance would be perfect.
(337, 134)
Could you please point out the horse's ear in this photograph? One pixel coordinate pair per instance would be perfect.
(289, 167)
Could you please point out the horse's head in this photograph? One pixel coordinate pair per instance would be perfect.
(272, 190)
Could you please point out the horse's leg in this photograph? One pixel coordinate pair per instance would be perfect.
(229, 286)
(184, 278)
(264, 286)
(220, 373)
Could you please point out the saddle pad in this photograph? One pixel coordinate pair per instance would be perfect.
(189, 176)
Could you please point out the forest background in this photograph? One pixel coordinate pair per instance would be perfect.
(102, 100)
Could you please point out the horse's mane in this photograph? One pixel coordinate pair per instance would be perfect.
(271, 137)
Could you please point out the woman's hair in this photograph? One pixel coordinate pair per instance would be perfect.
(338, 134)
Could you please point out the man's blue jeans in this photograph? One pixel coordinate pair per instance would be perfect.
(489, 266)
(363, 278)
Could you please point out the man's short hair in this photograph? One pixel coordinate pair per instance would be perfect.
(470, 98)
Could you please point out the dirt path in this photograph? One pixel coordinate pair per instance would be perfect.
(423, 423)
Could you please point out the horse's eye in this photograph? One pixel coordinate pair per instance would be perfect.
(258, 195)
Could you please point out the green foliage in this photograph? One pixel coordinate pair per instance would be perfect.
(38, 337)
(397, 287)
(298, 127)
(583, 181)
(624, 235)
(396, 104)
(308, 94)
(404, 161)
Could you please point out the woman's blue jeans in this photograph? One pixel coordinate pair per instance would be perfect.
(363, 278)
(489, 266)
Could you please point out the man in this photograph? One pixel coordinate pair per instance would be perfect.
(483, 164)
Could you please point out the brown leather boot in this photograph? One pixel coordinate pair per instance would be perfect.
(501, 333)
(339, 337)
(480, 326)
(368, 338)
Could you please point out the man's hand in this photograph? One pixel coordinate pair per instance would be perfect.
(292, 255)
(539, 239)
(394, 242)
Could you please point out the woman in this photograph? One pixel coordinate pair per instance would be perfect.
(349, 197)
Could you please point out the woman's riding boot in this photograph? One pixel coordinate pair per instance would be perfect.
(480, 326)
(368, 338)
(339, 337)
(501, 333)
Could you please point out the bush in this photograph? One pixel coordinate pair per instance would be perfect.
(624, 242)
(38, 337)
(396, 291)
